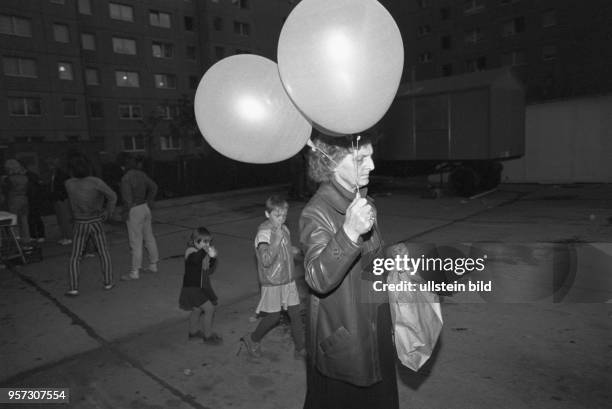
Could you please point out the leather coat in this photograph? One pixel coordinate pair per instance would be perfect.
(342, 322)
(276, 267)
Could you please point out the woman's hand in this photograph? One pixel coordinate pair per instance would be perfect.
(359, 218)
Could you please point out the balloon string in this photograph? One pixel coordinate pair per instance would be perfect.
(315, 148)
(355, 150)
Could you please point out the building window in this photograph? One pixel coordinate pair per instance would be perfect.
(159, 19)
(423, 30)
(165, 81)
(124, 46)
(218, 24)
(425, 57)
(121, 12)
(423, 4)
(508, 1)
(61, 33)
(473, 35)
(127, 79)
(64, 70)
(447, 70)
(128, 111)
(549, 52)
(243, 4)
(242, 29)
(73, 138)
(193, 82)
(445, 42)
(513, 27)
(514, 58)
(166, 111)
(190, 52)
(24, 106)
(88, 41)
(96, 109)
(16, 26)
(69, 107)
(188, 23)
(473, 6)
(162, 50)
(549, 18)
(20, 67)
(170, 142)
(476, 64)
(133, 143)
(91, 76)
(444, 13)
(241, 51)
(84, 7)
(219, 52)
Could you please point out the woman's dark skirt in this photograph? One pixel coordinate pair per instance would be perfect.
(327, 393)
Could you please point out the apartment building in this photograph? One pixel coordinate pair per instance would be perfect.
(559, 48)
(113, 75)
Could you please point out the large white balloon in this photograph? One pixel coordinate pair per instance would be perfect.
(341, 62)
(245, 114)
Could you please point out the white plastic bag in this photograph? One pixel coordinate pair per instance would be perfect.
(417, 323)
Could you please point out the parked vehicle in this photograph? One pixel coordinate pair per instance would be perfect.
(464, 125)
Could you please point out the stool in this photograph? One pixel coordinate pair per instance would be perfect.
(10, 248)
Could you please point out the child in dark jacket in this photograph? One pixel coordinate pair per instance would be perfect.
(197, 294)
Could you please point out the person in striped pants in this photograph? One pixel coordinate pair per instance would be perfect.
(88, 195)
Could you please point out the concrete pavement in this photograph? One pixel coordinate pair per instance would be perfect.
(128, 348)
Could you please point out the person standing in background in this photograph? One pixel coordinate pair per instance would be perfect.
(87, 195)
(36, 201)
(15, 189)
(138, 192)
(59, 199)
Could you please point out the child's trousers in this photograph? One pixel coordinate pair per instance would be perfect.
(269, 321)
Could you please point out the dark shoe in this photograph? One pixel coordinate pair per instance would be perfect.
(213, 339)
(71, 293)
(252, 347)
(195, 335)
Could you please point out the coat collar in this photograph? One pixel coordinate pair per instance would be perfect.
(338, 197)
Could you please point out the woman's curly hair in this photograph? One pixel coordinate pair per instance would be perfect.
(320, 167)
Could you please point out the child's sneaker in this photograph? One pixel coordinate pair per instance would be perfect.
(71, 293)
(252, 347)
(195, 335)
(108, 287)
(213, 339)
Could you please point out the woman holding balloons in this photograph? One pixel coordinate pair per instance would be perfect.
(351, 358)
(339, 67)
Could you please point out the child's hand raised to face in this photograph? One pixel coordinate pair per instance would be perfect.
(212, 252)
(202, 243)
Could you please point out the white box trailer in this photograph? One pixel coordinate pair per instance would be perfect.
(567, 141)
